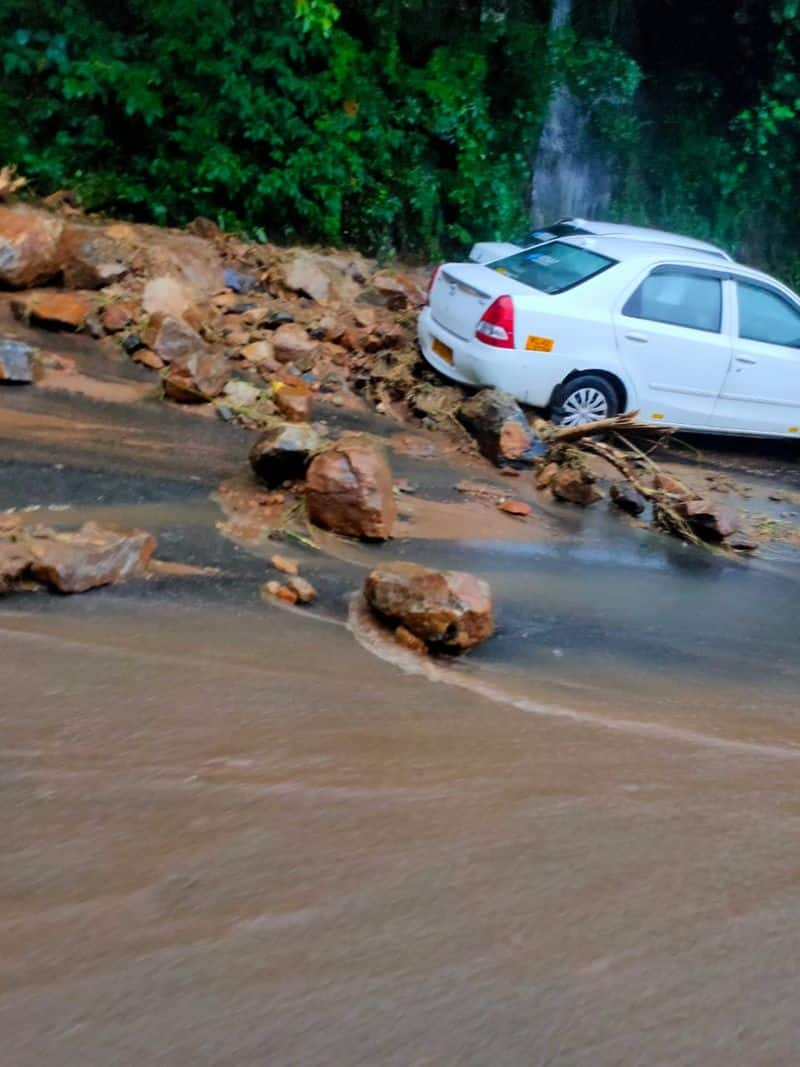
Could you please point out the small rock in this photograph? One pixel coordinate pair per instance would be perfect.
(403, 636)
(58, 310)
(196, 378)
(91, 259)
(241, 394)
(574, 486)
(16, 362)
(303, 275)
(291, 342)
(147, 358)
(97, 554)
(238, 281)
(741, 542)
(293, 403)
(118, 316)
(285, 565)
(303, 590)
(287, 594)
(259, 352)
(672, 486)
(279, 318)
(496, 421)
(283, 453)
(132, 343)
(400, 290)
(447, 609)
(349, 491)
(627, 498)
(708, 519)
(172, 338)
(515, 507)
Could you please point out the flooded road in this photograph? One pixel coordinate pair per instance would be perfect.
(243, 834)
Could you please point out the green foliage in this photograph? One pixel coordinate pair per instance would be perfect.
(405, 126)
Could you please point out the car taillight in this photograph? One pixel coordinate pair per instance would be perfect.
(434, 276)
(497, 325)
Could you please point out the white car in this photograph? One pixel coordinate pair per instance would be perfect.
(591, 326)
(486, 251)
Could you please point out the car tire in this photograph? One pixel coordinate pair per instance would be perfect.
(583, 399)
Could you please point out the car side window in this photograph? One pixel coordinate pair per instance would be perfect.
(680, 298)
(765, 316)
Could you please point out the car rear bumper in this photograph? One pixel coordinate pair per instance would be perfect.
(474, 363)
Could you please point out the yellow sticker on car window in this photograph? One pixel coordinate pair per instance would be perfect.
(539, 344)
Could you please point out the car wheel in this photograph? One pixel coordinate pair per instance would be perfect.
(586, 398)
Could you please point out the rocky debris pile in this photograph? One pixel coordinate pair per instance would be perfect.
(568, 470)
(349, 491)
(17, 361)
(72, 562)
(443, 610)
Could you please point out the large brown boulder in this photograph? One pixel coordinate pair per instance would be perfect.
(91, 259)
(446, 609)
(498, 424)
(96, 554)
(349, 490)
(30, 250)
(196, 378)
(283, 453)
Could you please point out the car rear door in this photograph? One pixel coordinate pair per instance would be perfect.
(673, 338)
(761, 393)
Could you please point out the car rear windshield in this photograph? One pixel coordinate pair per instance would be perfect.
(554, 267)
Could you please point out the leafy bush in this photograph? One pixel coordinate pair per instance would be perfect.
(277, 117)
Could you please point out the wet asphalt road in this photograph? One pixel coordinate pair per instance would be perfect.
(235, 836)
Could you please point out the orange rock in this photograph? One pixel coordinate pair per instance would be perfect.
(452, 609)
(284, 564)
(515, 507)
(303, 590)
(294, 404)
(59, 310)
(287, 594)
(147, 359)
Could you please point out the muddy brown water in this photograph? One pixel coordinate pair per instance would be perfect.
(241, 834)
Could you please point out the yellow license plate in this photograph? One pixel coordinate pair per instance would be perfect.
(442, 350)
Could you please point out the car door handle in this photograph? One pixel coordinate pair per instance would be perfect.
(745, 359)
(640, 338)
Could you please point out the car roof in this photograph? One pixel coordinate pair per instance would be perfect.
(654, 253)
(643, 233)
